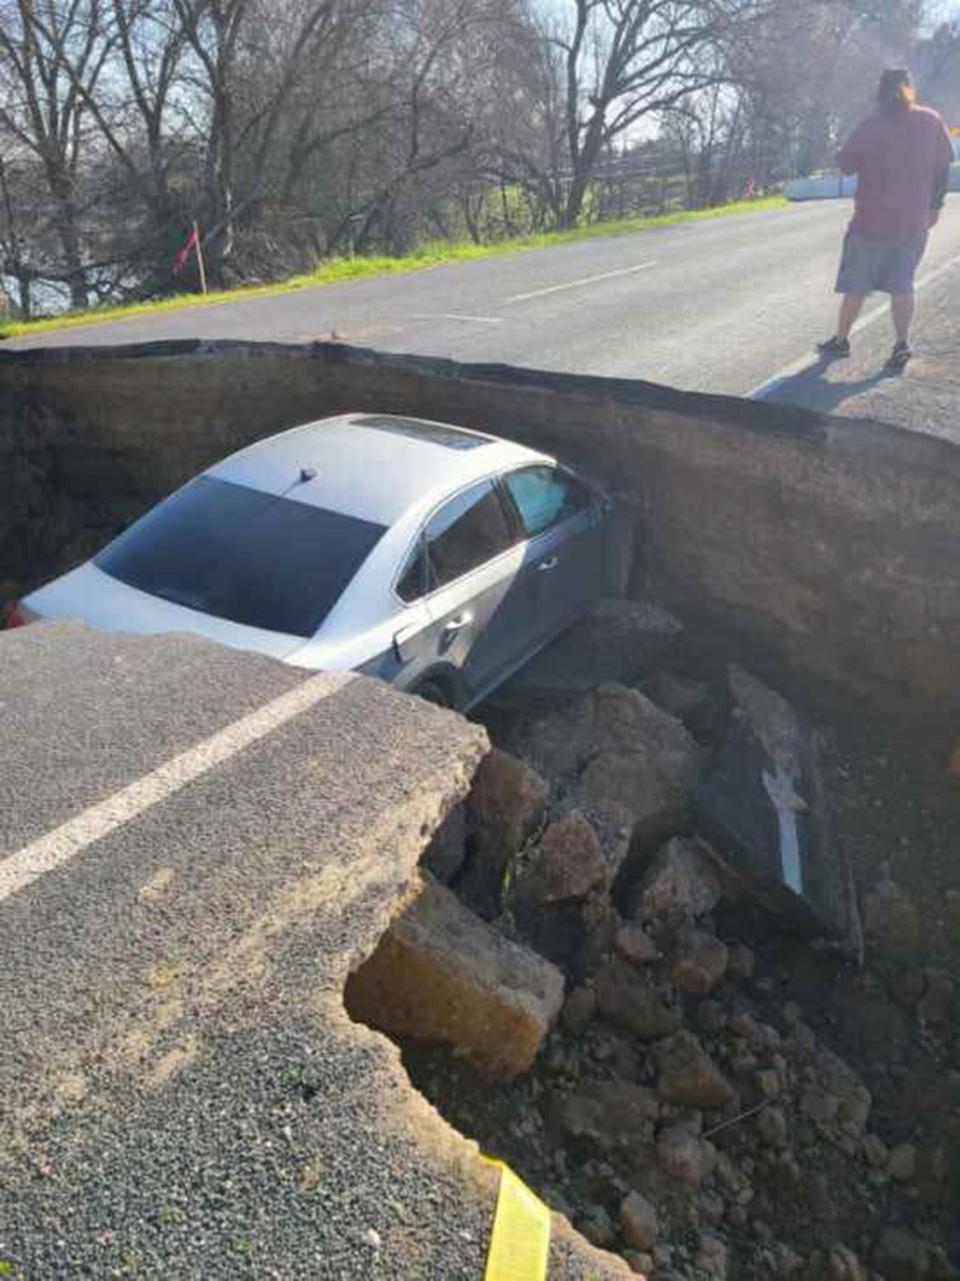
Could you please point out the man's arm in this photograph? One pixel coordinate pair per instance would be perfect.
(941, 181)
(941, 174)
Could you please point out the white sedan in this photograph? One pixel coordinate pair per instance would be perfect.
(437, 558)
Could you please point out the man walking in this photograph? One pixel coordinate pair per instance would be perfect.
(901, 155)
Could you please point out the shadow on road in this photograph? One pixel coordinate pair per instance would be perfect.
(812, 387)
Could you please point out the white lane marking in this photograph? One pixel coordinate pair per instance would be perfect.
(584, 280)
(443, 315)
(810, 361)
(63, 843)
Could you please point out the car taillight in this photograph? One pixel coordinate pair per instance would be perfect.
(13, 615)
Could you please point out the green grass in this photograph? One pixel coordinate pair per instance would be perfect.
(336, 271)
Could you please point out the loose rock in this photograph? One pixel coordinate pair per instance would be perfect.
(900, 1256)
(681, 881)
(843, 1265)
(903, 1162)
(619, 754)
(686, 1157)
(614, 1114)
(688, 1076)
(891, 920)
(741, 962)
(506, 800)
(445, 854)
(568, 862)
(936, 1004)
(875, 1150)
(701, 962)
(638, 1222)
(772, 1128)
(632, 943)
(578, 1010)
(712, 1256)
(631, 1001)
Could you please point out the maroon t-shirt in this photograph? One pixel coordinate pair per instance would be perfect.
(896, 159)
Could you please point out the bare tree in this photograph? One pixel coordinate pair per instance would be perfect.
(627, 60)
(53, 55)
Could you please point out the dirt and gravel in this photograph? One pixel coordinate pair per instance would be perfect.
(724, 1096)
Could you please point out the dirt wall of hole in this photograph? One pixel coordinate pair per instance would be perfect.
(823, 549)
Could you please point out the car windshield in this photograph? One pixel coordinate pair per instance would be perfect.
(243, 555)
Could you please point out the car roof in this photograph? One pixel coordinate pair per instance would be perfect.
(373, 466)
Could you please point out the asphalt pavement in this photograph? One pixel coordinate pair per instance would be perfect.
(197, 846)
(722, 305)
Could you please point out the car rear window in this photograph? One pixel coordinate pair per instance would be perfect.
(243, 555)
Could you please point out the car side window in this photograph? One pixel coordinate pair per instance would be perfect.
(545, 496)
(467, 531)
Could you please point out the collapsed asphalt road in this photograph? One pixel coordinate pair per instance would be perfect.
(197, 847)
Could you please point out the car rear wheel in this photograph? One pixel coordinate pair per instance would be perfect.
(434, 691)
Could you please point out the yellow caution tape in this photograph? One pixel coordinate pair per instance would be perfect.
(520, 1241)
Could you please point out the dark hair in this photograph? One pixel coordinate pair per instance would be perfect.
(896, 91)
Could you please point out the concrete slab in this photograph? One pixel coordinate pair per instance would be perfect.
(197, 846)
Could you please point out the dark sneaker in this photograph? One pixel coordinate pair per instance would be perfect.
(838, 348)
(900, 357)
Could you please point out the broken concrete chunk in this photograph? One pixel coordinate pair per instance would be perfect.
(567, 863)
(441, 974)
(640, 758)
(617, 753)
(504, 804)
(681, 881)
(617, 640)
(688, 1076)
(700, 964)
(762, 809)
(631, 1001)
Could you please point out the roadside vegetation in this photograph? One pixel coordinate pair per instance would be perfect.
(276, 135)
(340, 270)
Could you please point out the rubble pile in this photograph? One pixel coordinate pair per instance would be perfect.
(651, 857)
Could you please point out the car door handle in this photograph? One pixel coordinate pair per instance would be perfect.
(547, 565)
(457, 624)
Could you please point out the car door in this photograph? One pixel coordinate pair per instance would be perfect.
(562, 520)
(469, 558)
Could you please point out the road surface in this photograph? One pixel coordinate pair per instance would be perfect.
(722, 305)
(197, 845)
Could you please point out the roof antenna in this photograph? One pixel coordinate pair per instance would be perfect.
(307, 473)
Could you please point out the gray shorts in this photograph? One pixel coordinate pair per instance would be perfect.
(885, 265)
